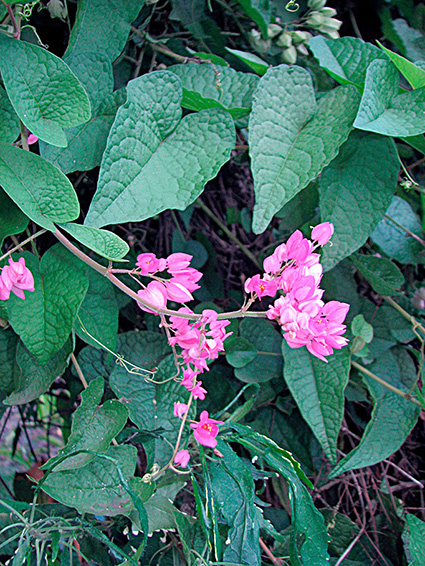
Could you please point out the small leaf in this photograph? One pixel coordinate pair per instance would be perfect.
(392, 417)
(9, 121)
(155, 161)
(102, 27)
(416, 544)
(383, 110)
(43, 90)
(239, 352)
(45, 318)
(291, 137)
(361, 328)
(355, 192)
(93, 428)
(40, 190)
(346, 59)
(411, 72)
(12, 220)
(392, 239)
(253, 61)
(318, 389)
(104, 243)
(383, 275)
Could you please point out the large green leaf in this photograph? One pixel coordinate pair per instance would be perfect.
(346, 59)
(96, 488)
(234, 492)
(392, 417)
(9, 121)
(414, 74)
(266, 342)
(9, 370)
(383, 110)
(102, 26)
(205, 86)
(98, 313)
(355, 192)
(154, 160)
(43, 90)
(46, 317)
(292, 137)
(40, 190)
(93, 427)
(318, 389)
(384, 276)
(412, 40)
(86, 143)
(104, 243)
(392, 239)
(35, 379)
(12, 220)
(259, 11)
(309, 538)
(416, 544)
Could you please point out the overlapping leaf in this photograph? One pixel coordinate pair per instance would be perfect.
(355, 192)
(154, 160)
(40, 190)
(291, 137)
(9, 121)
(318, 389)
(384, 276)
(383, 110)
(12, 220)
(44, 92)
(104, 243)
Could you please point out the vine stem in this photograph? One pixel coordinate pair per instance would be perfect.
(21, 244)
(409, 232)
(406, 315)
(385, 384)
(107, 272)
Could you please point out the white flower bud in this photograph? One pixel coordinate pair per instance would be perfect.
(57, 9)
(332, 23)
(328, 12)
(332, 33)
(273, 30)
(316, 19)
(299, 37)
(302, 49)
(316, 4)
(289, 55)
(284, 40)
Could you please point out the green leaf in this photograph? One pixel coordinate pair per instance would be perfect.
(104, 243)
(234, 492)
(155, 161)
(318, 389)
(12, 220)
(96, 488)
(383, 110)
(102, 27)
(411, 72)
(392, 416)
(86, 143)
(361, 328)
(346, 59)
(309, 539)
(355, 192)
(46, 317)
(259, 11)
(40, 190)
(392, 239)
(160, 509)
(35, 379)
(418, 142)
(9, 370)
(98, 313)
(239, 352)
(253, 61)
(416, 544)
(383, 275)
(9, 121)
(412, 40)
(43, 90)
(291, 137)
(208, 87)
(93, 428)
(267, 364)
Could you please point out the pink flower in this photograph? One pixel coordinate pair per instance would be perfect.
(177, 292)
(322, 233)
(261, 287)
(17, 278)
(182, 458)
(198, 391)
(155, 295)
(4, 290)
(32, 139)
(206, 430)
(148, 263)
(180, 409)
(188, 278)
(178, 262)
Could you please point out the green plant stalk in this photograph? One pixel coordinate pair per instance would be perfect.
(411, 234)
(228, 232)
(385, 384)
(407, 316)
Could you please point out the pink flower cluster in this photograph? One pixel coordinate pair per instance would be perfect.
(15, 278)
(294, 269)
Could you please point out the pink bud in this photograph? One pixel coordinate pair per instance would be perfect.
(322, 233)
(17, 277)
(155, 295)
(178, 261)
(180, 409)
(32, 139)
(182, 458)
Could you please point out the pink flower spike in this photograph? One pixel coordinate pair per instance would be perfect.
(206, 430)
(178, 262)
(180, 409)
(155, 295)
(17, 277)
(182, 458)
(322, 233)
(32, 139)
(147, 262)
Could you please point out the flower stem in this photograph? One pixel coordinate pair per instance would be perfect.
(21, 244)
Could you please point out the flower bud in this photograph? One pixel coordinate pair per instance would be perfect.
(299, 37)
(329, 32)
(322, 233)
(315, 20)
(57, 9)
(316, 4)
(302, 49)
(284, 40)
(289, 55)
(332, 24)
(328, 12)
(273, 30)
